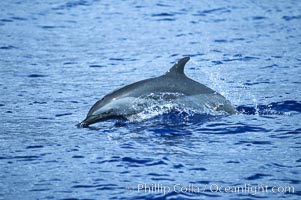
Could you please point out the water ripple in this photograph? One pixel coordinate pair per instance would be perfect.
(58, 57)
(278, 108)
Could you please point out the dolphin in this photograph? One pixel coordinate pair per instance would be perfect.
(174, 84)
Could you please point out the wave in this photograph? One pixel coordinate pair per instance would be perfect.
(177, 115)
(275, 108)
(176, 108)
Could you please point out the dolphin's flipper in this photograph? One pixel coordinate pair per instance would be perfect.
(178, 68)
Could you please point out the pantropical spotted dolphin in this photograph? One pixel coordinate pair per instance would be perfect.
(172, 85)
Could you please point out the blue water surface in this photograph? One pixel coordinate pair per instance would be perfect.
(57, 58)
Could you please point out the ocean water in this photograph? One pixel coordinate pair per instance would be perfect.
(57, 58)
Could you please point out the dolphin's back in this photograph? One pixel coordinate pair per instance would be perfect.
(173, 81)
(162, 84)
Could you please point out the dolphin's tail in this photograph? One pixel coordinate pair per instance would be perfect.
(227, 107)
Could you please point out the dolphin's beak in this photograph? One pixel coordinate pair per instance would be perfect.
(89, 120)
(92, 119)
(82, 125)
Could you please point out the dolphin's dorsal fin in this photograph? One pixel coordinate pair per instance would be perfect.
(178, 68)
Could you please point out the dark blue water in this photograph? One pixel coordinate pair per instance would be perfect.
(57, 58)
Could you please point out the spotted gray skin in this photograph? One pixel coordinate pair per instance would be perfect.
(113, 105)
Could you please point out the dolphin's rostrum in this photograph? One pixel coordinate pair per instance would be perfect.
(174, 84)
